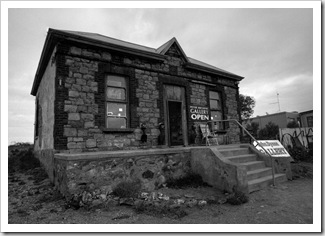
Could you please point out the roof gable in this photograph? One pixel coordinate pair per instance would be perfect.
(172, 48)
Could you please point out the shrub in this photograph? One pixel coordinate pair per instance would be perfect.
(23, 160)
(237, 198)
(253, 129)
(270, 131)
(300, 154)
(293, 124)
(126, 189)
(191, 180)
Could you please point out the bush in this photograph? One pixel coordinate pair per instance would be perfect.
(293, 124)
(23, 160)
(191, 180)
(300, 154)
(237, 198)
(270, 131)
(127, 189)
(253, 129)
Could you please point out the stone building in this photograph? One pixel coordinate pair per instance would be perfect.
(96, 93)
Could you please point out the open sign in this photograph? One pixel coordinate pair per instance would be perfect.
(199, 113)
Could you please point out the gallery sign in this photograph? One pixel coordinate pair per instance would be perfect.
(199, 113)
(273, 147)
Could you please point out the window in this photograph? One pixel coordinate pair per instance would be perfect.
(309, 121)
(216, 109)
(116, 102)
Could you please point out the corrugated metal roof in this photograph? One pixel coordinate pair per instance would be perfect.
(119, 45)
(110, 40)
(160, 50)
(200, 63)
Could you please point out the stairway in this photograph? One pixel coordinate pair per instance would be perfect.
(258, 175)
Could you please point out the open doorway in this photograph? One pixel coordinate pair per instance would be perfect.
(175, 123)
(175, 116)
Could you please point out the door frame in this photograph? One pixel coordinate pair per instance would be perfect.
(166, 115)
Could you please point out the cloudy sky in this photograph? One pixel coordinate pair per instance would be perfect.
(271, 47)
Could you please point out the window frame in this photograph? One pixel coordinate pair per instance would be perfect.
(221, 110)
(126, 102)
(309, 120)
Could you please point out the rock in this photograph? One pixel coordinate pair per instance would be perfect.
(222, 201)
(179, 201)
(96, 202)
(138, 202)
(103, 196)
(154, 196)
(191, 203)
(144, 195)
(163, 197)
(175, 205)
(106, 190)
(202, 203)
(161, 180)
(126, 201)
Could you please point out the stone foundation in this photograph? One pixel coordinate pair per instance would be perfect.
(77, 174)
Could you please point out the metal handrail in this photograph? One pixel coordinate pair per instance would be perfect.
(251, 136)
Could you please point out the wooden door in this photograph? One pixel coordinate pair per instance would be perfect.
(175, 115)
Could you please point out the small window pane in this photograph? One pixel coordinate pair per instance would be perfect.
(217, 115)
(116, 109)
(116, 122)
(115, 93)
(215, 105)
(214, 95)
(116, 81)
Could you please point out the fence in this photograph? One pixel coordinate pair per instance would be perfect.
(301, 136)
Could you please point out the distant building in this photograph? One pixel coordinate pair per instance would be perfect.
(306, 118)
(281, 119)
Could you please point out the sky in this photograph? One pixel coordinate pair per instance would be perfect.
(271, 47)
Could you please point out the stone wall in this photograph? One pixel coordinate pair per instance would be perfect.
(80, 102)
(218, 171)
(101, 175)
(148, 95)
(198, 95)
(232, 107)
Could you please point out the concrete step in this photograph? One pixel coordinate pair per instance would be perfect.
(229, 152)
(255, 174)
(263, 182)
(253, 165)
(242, 158)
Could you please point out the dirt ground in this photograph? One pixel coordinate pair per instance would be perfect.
(33, 200)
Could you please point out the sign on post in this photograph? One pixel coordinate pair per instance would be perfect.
(273, 147)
